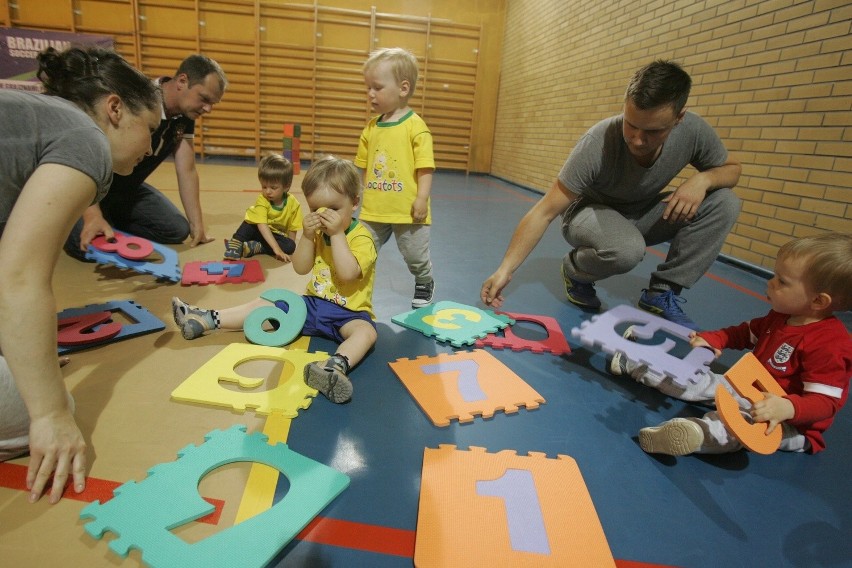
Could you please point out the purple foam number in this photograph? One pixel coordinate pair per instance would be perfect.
(523, 510)
(601, 331)
(467, 383)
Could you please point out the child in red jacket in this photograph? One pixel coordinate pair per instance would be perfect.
(805, 348)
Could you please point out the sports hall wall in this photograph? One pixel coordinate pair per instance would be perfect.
(773, 77)
(300, 62)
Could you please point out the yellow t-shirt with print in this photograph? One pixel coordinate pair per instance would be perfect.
(357, 295)
(282, 220)
(391, 153)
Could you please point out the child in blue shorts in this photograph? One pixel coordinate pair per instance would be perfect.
(340, 254)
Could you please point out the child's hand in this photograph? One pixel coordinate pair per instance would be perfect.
(280, 255)
(332, 222)
(419, 209)
(311, 224)
(696, 340)
(773, 409)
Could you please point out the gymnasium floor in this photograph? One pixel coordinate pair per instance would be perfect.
(740, 509)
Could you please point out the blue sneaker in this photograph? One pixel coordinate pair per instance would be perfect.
(667, 306)
(581, 293)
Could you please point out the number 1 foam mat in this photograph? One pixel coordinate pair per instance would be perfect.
(502, 509)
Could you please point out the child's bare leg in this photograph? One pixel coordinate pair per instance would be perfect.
(331, 377)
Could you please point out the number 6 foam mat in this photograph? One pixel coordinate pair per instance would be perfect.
(464, 384)
(144, 514)
(502, 509)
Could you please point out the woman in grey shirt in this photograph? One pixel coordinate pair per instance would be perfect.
(58, 151)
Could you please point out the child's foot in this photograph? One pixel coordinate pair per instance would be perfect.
(251, 248)
(233, 249)
(423, 294)
(619, 364)
(191, 320)
(329, 380)
(677, 437)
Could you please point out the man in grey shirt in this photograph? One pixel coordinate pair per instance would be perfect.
(610, 195)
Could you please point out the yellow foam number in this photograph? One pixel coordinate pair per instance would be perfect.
(204, 386)
(746, 376)
(443, 319)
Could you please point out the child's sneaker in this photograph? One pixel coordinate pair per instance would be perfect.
(329, 380)
(191, 320)
(251, 248)
(423, 294)
(676, 437)
(233, 249)
(581, 294)
(619, 364)
(666, 305)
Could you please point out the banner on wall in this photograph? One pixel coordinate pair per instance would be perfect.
(19, 48)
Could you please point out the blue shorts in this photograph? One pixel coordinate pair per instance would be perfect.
(325, 318)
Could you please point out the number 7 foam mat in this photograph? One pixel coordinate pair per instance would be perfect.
(502, 509)
(462, 385)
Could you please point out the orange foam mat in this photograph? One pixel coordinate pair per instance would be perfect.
(489, 509)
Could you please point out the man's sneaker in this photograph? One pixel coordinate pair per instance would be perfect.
(233, 249)
(191, 320)
(423, 294)
(330, 381)
(251, 248)
(666, 305)
(581, 293)
(677, 437)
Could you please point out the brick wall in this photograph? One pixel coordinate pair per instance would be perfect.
(773, 77)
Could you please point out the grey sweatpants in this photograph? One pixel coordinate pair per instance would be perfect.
(413, 243)
(607, 242)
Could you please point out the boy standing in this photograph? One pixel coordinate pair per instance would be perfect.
(340, 254)
(805, 348)
(395, 150)
(270, 224)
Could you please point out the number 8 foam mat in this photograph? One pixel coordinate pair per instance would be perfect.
(502, 509)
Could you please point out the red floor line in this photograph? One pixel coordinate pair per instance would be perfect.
(719, 279)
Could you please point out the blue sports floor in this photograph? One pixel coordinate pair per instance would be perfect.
(733, 510)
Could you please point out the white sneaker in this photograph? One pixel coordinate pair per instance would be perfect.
(677, 437)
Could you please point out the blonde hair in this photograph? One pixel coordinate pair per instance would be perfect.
(403, 64)
(275, 168)
(340, 175)
(828, 265)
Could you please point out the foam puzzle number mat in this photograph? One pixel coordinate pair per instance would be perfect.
(204, 272)
(286, 398)
(502, 509)
(751, 380)
(555, 342)
(124, 253)
(457, 324)
(601, 331)
(144, 514)
(464, 384)
(289, 314)
(95, 325)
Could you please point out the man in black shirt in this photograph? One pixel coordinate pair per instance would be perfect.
(140, 209)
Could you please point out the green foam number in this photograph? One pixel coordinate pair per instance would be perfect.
(290, 323)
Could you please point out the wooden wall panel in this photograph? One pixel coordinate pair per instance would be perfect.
(296, 62)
